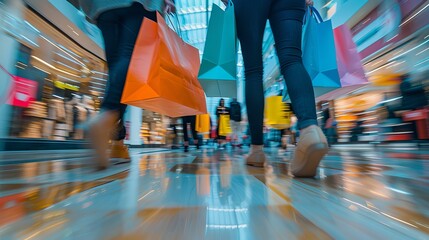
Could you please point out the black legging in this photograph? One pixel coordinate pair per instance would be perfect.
(192, 121)
(120, 28)
(286, 17)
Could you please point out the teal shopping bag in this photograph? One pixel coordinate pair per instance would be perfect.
(319, 54)
(218, 71)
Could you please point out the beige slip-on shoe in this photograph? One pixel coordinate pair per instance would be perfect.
(310, 150)
(119, 150)
(257, 157)
(100, 130)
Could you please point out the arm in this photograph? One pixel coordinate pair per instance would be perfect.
(170, 6)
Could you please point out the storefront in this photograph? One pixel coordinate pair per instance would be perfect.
(154, 128)
(57, 84)
(361, 114)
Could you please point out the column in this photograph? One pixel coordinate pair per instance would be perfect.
(135, 120)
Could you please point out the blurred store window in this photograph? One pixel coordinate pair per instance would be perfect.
(57, 84)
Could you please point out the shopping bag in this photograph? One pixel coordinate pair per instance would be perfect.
(277, 113)
(224, 125)
(203, 123)
(213, 133)
(162, 76)
(218, 72)
(349, 61)
(23, 92)
(319, 53)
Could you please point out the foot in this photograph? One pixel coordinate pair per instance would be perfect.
(100, 131)
(257, 157)
(119, 150)
(310, 150)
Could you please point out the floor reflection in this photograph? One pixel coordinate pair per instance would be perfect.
(214, 195)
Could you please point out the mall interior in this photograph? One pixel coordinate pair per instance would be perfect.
(372, 105)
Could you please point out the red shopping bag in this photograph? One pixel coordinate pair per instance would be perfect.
(348, 59)
(162, 76)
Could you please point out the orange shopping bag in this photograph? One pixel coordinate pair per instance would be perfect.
(162, 76)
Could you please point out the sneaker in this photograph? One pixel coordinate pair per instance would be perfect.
(310, 150)
(257, 157)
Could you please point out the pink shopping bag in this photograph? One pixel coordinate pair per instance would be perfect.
(348, 59)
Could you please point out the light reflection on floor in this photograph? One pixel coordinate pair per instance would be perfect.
(213, 195)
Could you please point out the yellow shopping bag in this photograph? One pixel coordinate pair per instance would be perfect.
(224, 125)
(277, 113)
(203, 123)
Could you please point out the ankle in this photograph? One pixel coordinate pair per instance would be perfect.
(309, 127)
(257, 148)
(118, 142)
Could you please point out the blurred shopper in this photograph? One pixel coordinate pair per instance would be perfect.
(235, 112)
(331, 130)
(119, 22)
(189, 120)
(356, 132)
(221, 110)
(286, 19)
(330, 127)
(413, 96)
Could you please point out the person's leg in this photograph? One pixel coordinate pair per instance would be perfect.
(251, 21)
(193, 122)
(185, 122)
(239, 134)
(233, 134)
(120, 28)
(128, 22)
(286, 23)
(120, 131)
(118, 149)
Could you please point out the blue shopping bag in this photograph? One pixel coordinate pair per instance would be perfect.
(319, 53)
(318, 50)
(218, 71)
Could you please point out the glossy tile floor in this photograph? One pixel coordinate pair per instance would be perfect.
(213, 195)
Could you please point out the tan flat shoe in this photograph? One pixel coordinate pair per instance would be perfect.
(257, 157)
(119, 150)
(100, 131)
(310, 150)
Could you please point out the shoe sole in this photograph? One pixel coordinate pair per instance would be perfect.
(256, 164)
(313, 156)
